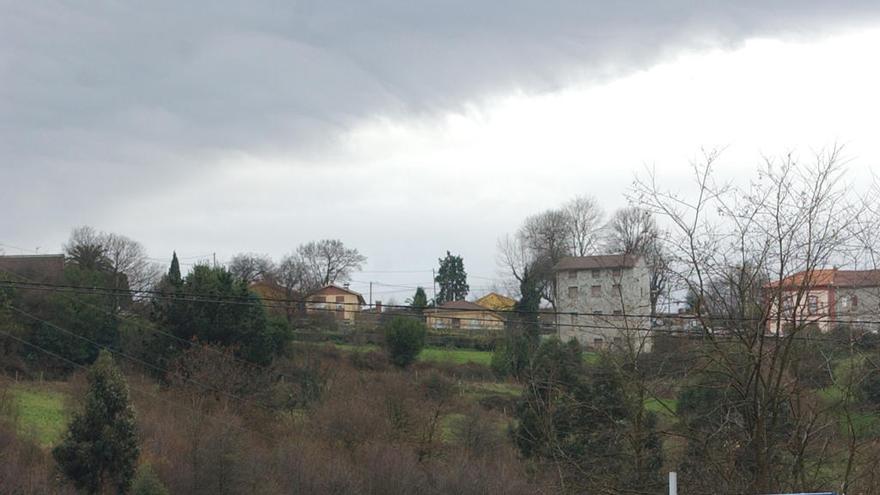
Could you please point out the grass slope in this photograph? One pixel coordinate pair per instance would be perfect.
(41, 413)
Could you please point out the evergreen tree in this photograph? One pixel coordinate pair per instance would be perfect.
(419, 300)
(233, 316)
(452, 279)
(100, 449)
(404, 340)
(575, 417)
(511, 356)
(174, 277)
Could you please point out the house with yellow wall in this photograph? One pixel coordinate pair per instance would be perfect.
(341, 302)
(464, 316)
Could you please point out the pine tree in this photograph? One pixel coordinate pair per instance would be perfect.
(100, 449)
(452, 279)
(174, 277)
(419, 300)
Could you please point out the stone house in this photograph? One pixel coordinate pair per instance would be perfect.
(604, 300)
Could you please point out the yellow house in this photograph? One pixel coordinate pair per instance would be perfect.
(341, 302)
(496, 301)
(465, 316)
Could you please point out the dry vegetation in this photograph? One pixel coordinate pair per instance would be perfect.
(334, 423)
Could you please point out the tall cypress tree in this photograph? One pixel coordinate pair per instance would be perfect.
(452, 279)
(174, 277)
(100, 449)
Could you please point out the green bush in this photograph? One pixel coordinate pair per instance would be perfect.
(147, 483)
(870, 387)
(404, 340)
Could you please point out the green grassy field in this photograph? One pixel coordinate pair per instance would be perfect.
(450, 355)
(434, 354)
(41, 413)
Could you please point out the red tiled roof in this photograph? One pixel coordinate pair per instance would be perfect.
(830, 277)
(600, 261)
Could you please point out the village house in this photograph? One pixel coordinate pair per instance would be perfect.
(464, 315)
(825, 298)
(277, 299)
(341, 302)
(603, 300)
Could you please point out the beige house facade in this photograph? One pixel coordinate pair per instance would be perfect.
(825, 298)
(341, 302)
(464, 316)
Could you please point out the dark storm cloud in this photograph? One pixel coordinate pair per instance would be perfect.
(98, 99)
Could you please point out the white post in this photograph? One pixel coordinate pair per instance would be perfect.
(673, 483)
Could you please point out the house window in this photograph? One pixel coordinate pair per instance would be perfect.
(597, 312)
(787, 303)
(573, 293)
(618, 312)
(813, 304)
(615, 273)
(340, 299)
(572, 274)
(598, 341)
(596, 290)
(616, 288)
(854, 301)
(596, 273)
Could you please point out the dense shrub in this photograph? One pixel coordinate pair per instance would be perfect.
(404, 340)
(370, 360)
(870, 387)
(147, 483)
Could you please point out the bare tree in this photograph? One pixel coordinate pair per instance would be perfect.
(252, 267)
(537, 246)
(328, 261)
(631, 230)
(547, 234)
(585, 224)
(741, 252)
(292, 274)
(634, 230)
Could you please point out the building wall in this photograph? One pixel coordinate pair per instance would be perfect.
(345, 309)
(818, 314)
(612, 305)
(464, 320)
(858, 303)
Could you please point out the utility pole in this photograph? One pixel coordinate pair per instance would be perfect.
(434, 281)
(215, 259)
(371, 295)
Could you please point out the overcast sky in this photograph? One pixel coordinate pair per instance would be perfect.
(404, 128)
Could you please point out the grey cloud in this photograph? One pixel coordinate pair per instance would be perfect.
(98, 99)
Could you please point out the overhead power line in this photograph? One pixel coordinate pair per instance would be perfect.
(195, 297)
(579, 326)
